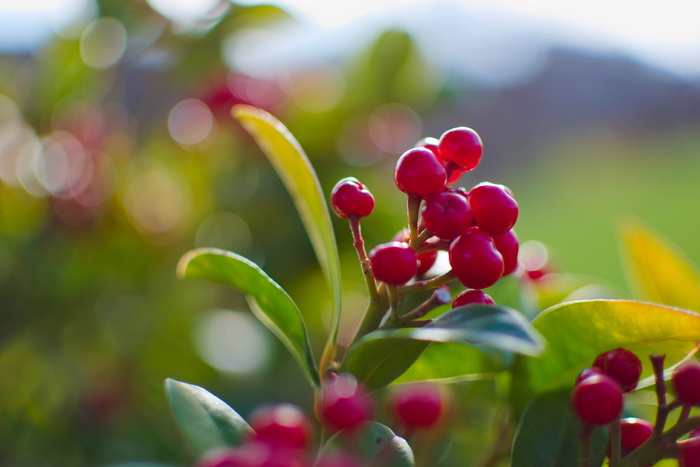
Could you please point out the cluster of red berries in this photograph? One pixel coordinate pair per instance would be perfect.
(282, 434)
(597, 399)
(474, 226)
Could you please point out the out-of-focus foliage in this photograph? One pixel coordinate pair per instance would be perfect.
(118, 154)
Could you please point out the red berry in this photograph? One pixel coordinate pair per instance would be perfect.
(418, 406)
(419, 172)
(432, 144)
(621, 365)
(507, 245)
(281, 425)
(425, 262)
(588, 372)
(344, 404)
(597, 400)
(461, 146)
(690, 450)
(472, 296)
(447, 215)
(633, 433)
(394, 262)
(349, 197)
(686, 382)
(475, 259)
(494, 208)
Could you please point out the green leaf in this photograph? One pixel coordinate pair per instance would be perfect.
(382, 356)
(657, 270)
(577, 332)
(547, 434)
(295, 170)
(269, 302)
(205, 420)
(373, 444)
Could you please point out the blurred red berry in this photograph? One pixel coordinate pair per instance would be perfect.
(418, 406)
(281, 425)
(686, 382)
(621, 365)
(597, 400)
(472, 296)
(344, 403)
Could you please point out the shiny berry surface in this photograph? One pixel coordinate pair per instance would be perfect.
(417, 406)
(394, 262)
(633, 433)
(508, 246)
(475, 259)
(281, 425)
(349, 197)
(344, 403)
(419, 172)
(690, 451)
(621, 365)
(686, 383)
(461, 146)
(494, 208)
(447, 215)
(588, 372)
(472, 296)
(597, 400)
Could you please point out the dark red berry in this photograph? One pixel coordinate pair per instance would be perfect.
(419, 172)
(430, 143)
(461, 146)
(394, 262)
(349, 197)
(475, 259)
(281, 425)
(597, 400)
(425, 262)
(494, 208)
(344, 404)
(621, 365)
(588, 372)
(686, 382)
(508, 245)
(472, 296)
(447, 215)
(418, 406)
(690, 450)
(633, 433)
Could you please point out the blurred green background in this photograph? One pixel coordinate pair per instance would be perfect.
(118, 154)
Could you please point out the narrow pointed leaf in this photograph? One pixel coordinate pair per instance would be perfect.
(205, 420)
(295, 170)
(547, 435)
(269, 302)
(657, 270)
(382, 356)
(576, 332)
(373, 444)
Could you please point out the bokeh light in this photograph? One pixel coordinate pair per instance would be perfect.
(103, 42)
(190, 122)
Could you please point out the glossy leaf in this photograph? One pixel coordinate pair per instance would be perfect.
(269, 302)
(576, 332)
(295, 170)
(205, 420)
(382, 356)
(657, 270)
(373, 444)
(548, 434)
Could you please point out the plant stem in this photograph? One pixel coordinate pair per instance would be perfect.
(359, 244)
(394, 302)
(584, 443)
(441, 296)
(657, 363)
(615, 440)
(433, 283)
(413, 212)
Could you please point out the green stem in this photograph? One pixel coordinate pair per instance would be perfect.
(615, 440)
(441, 296)
(394, 302)
(413, 212)
(359, 244)
(433, 283)
(584, 438)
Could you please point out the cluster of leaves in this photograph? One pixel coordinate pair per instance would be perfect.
(542, 356)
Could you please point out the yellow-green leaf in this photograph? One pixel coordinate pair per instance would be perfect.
(295, 170)
(576, 332)
(657, 270)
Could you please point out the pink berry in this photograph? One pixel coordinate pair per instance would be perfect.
(344, 404)
(475, 259)
(597, 400)
(494, 208)
(419, 172)
(394, 262)
(508, 246)
(690, 450)
(418, 406)
(447, 215)
(281, 425)
(472, 296)
(349, 197)
(686, 382)
(461, 146)
(621, 365)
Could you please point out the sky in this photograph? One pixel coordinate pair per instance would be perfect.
(665, 33)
